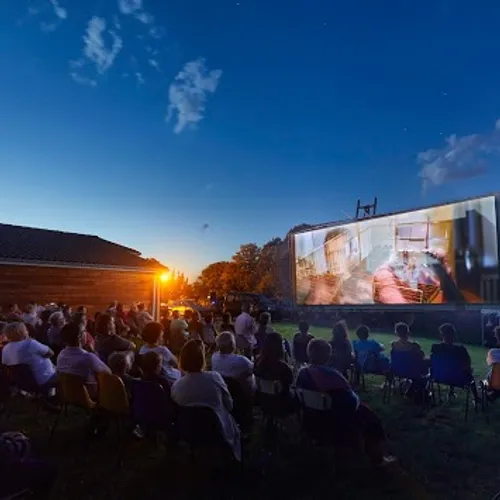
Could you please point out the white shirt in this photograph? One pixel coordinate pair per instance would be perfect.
(245, 326)
(30, 352)
(172, 374)
(209, 333)
(77, 361)
(143, 318)
(493, 356)
(233, 366)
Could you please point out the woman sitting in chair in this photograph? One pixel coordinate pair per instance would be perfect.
(342, 357)
(319, 377)
(207, 389)
(107, 341)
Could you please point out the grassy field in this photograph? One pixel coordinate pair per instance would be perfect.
(440, 456)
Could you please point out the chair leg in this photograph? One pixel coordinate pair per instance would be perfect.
(467, 398)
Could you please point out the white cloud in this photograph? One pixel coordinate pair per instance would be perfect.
(95, 49)
(48, 27)
(139, 78)
(188, 93)
(144, 17)
(59, 11)
(461, 158)
(129, 6)
(82, 80)
(154, 64)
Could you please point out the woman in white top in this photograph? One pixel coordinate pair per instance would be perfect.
(152, 334)
(200, 388)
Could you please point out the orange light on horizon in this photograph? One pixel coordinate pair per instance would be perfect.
(164, 277)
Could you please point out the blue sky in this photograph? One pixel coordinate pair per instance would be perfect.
(278, 113)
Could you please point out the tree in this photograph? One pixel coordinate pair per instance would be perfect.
(245, 269)
(268, 268)
(210, 280)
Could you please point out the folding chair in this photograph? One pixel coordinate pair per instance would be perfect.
(242, 403)
(449, 371)
(316, 415)
(490, 389)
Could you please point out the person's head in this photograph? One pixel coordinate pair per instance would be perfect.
(13, 308)
(339, 332)
(152, 333)
(80, 319)
(16, 331)
(272, 350)
(45, 316)
(30, 308)
(119, 363)
(71, 335)
(264, 319)
(226, 343)
(192, 357)
(119, 308)
(97, 315)
(402, 330)
(105, 325)
(362, 332)
(209, 319)
(175, 314)
(496, 332)
(57, 319)
(195, 316)
(151, 363)
(82, 310)
(245, 307)
(448, 333)
(188, 314)
(319, 352)
(303, 327)
(226, 319)
(141, 307)
(66, 310)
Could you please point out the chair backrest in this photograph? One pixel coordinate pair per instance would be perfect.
(314, 400)
(449, 370)
(4, 384)
(23, 378)
(407, 364)
(113, 396)
(72, 390)
(151, 405)
(199, 426)
(495, 377)
(269, 387)
(242, 402)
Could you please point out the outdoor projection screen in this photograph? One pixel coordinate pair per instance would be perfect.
(441, 255)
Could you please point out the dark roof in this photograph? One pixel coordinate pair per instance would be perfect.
(29, 244)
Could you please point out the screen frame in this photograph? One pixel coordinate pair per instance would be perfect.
(391, 307)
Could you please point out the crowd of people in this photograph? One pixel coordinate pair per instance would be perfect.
(199, 362)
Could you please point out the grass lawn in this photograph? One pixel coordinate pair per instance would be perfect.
(440, 456)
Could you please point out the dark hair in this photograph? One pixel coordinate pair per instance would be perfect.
(79, 318)
(102, 324)
(45, 315)
(226, 318)
(152, 332)
(339, 332)
(264, 319)
(31, 330)
(303, 326)
(272, 350)
(141, 306)
(70, 334)
(209, 318)
(362, 332)
(192, 357)
(81, 309)
(188, 314)
(151, 363)
(175, 314)
(402, 330)
(447, 331)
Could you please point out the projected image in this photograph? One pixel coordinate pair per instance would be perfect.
(446, 254)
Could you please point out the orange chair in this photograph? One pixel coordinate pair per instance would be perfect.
(72, 391)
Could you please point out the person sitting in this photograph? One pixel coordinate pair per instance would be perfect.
(209, 333)
(14, 313)
(300, 342)
(207, 389)
(232, 365)
(270, 365)
(403, 343)
(493, 356)
(369, 352)
(143, 317)
(347, 409)
(152, 334)
(342, 356)
(75, 360)
(264, 327)
(448, 348)
(24, 350)
(88, 342)
(226, 325)
(152, 370)
(57, 321)
(120, 365)
(30, 316)
(195, 327)
(107, 341)
(43, 327)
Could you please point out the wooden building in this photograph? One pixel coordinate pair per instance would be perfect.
(76, 269)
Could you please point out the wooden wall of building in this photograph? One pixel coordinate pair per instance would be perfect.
(95, 289)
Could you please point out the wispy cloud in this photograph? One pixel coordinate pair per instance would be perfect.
(59, 11)
(188, 93)
(82, 80)
(154, 64)
(95, 49)
(134, 8)
(461, 158)
(48, 27)
(139, 78)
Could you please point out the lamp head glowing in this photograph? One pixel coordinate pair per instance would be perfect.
(164, 277)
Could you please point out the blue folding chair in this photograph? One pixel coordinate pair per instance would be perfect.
(405, 365)
(449, 371)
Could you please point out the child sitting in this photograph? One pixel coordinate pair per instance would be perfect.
(369, 352)
(300, 342)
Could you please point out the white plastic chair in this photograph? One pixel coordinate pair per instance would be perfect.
(314, 400)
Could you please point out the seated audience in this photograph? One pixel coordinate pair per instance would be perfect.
(152, 370)
(120, 365)
(300, 342)
(20, 471)
(270, 365)
(264, 327)
(43, 327)
(201, 388)
(178, 332)
(88, 342)
(347, 409)
(195, 327)
(232, 365)
(448, 348)
(342, 355)
(143, 317)
(151, 335)
(369, 352)
(209, 333)
(403, 343)
(107, 341)
(493, 356)
(75, 360)
(227, 325)
(30, 316)
(57, 321)
(14, 313)
(23, 350)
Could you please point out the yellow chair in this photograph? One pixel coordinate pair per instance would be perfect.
(72, 391)
(113, 397)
